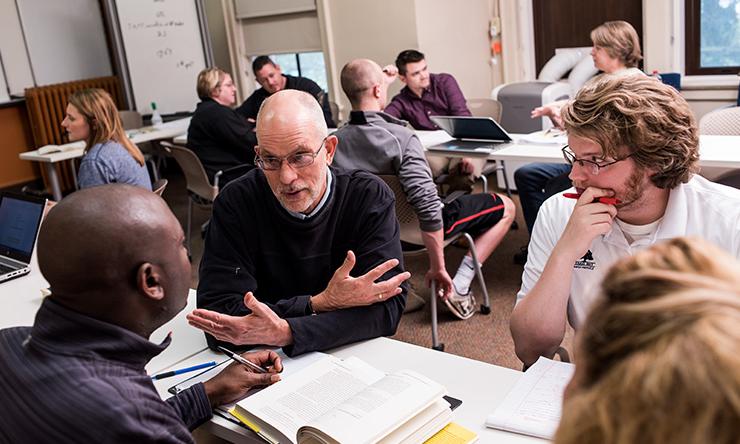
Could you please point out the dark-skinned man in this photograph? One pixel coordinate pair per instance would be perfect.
(115, 261)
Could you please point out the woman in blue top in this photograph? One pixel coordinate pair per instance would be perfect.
(110, 157)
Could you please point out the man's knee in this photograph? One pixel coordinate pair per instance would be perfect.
(509, 209)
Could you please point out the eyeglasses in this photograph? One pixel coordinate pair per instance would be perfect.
(571, 158)
(295, 160)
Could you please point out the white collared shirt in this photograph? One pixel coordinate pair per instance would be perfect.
(698, 208)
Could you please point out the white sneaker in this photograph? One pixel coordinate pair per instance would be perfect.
(461, 305)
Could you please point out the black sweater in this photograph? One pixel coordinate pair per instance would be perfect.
(251, 106)
(254, 244)
(221, 138)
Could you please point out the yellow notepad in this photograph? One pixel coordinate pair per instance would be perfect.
(453, 433)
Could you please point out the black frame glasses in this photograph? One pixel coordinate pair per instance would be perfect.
(570, 158)
(295, 160)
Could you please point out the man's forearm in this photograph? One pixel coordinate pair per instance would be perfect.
(538, 320)
(434, 242)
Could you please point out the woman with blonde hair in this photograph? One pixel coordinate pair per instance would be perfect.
(222, 139)
(110, 157)
(659, 356)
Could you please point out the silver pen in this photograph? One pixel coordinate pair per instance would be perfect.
(238, 358)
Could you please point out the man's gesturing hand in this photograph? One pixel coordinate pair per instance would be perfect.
(262, 326)
(344, 291)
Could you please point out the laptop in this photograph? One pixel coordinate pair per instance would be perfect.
(473, 135)
(20, 219)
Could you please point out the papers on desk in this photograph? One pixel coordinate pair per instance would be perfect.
(544, 137)
(533, 407)
(49, 149)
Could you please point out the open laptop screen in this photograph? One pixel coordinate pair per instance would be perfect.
(20, 218)
(474, 128)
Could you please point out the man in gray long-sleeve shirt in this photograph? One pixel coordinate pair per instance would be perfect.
(381, 144)
(118, 270)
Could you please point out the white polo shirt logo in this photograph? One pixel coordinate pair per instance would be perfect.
(587, 262)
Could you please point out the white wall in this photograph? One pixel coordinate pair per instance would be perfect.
(386, 27)
(455, 40)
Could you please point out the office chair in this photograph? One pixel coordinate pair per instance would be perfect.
(200, 190)
(159, 186)
(721, 122)
(411, 236)
(485, 108)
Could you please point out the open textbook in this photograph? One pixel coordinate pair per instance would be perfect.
(534, 405)
(348, 401)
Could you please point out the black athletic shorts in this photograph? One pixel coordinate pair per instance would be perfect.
(472, 213)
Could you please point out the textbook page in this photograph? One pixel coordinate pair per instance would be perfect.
(349, 401)
(289, 404)
(394, 407)
(533, 407)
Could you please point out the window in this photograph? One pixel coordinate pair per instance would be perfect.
(303, 64)
(712, 37)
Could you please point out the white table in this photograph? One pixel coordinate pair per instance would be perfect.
(76, 149)
(480, 386)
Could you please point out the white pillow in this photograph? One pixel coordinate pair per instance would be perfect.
(583, 71)
(559, 65)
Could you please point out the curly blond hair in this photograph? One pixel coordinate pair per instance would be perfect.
(659, 355)
(648, 117)
(619, 39)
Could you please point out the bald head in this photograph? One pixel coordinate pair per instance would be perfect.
(107, 250)
(290, 107)
(358, 79)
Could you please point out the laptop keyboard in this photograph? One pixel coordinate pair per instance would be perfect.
(5, 269)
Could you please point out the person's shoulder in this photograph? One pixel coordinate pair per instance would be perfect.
(105, 151)
(302, 83)
(443, 78)
(707, 192)
(360, 181)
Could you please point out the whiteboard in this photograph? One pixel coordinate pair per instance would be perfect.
(65, 40)
(164, 52)
(4, 97)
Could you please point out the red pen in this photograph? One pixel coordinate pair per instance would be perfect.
(604, 200)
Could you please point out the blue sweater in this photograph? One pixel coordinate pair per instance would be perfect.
(109, 162)
(254, 244)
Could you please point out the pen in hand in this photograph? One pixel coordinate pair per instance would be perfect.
(604, 200)
(238, 358)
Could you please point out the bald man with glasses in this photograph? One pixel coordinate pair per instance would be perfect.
(634, 151)
(298, 255)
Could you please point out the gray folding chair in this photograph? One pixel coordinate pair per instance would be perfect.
(411, 235)
(200, 190)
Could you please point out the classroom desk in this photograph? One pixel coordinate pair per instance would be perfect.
(480, 386)
(74, 150)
